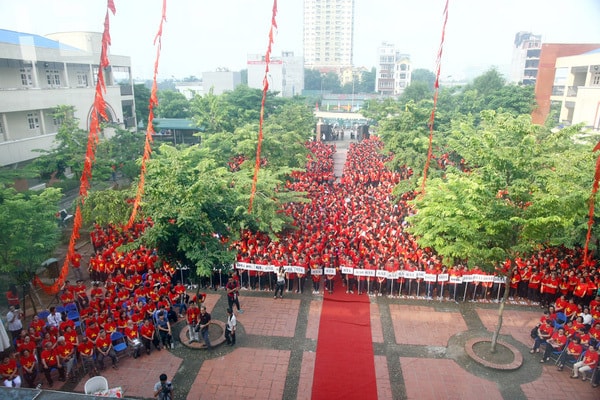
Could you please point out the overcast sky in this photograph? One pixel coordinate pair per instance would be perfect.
(202, 35)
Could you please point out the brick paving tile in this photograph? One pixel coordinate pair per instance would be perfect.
(382, 374)
(306, 375)
(427, 379)
(242, 374)
(420, 325)
(314, 320)
(516, 323)
(137, 376)
(553, 384)
(279, 320)
(376, 328)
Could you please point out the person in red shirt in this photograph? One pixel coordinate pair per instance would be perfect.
(10, 372)
(66, 355)
(133, 338)
(544, 332)
(104, 348)
(555, 343)
(26, 344)
(49, 360)
(588, 363)
(86, 353)
(38, 324)
(75, 260)
(192, 314)
(572, 353)
(29, 367)
(92, 331)
(147, 331)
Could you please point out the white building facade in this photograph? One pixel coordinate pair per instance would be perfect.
(577, 89)
(393, 73)
(525, 58)
(286, 73)
(221, 81)
(38, 73)
(328, 34)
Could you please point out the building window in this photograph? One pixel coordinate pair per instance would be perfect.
(57, 121)
(82, 79)
(32, 121)
(53, 77)
(26, 79)
(1, 129)
(596, 79)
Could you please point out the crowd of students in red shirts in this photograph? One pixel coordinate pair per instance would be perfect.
(355, 223)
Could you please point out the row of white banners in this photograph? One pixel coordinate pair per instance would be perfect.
(379, 273)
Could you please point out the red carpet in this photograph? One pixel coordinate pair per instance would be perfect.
(344, 366)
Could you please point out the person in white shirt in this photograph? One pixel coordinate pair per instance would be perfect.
(230, 327)
(14, 324)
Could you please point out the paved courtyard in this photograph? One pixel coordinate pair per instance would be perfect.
(417, 346)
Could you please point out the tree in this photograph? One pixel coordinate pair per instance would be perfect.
(366, 82)
(106, 207)
(141, 98)
(416, 92)
(199, 207)
(507, 203)
(30, 232)
(424, 76)
(211, 113)
(172, 104)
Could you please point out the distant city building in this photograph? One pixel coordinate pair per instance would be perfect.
(286, 73)
(576, 89)
(38, 73)
(393, 72)
(544, 85)
(328, 34)
(220, 81)
(190, 89)
(525, 58)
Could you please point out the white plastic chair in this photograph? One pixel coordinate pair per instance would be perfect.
(95, 384)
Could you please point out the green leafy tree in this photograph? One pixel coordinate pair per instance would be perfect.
(141, 98)
(423, 75)
(366, 82)
(106, 207)
(211, 113)
(199, 207)
(416, 92)
(30, 231)
(508, 203)
(172, 104)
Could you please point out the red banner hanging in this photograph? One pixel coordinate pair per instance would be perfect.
(435, 98)
(98, 109)
(262, 104)
(149, 130)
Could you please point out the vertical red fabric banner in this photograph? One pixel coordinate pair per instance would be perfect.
(149, 129)
(435, 98)
(98, 110)
(592, 207)
(262, 105)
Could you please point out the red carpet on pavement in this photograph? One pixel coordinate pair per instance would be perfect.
(344, 366)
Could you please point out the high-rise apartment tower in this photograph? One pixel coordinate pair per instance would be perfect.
(328, 34)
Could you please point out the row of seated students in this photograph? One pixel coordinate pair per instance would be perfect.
(572, 340)
(55, 339)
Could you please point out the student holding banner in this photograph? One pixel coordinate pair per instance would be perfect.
(329, 279)
(315, 274)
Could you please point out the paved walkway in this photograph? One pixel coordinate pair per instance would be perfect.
(417, 346)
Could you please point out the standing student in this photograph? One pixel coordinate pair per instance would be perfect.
(230, 328)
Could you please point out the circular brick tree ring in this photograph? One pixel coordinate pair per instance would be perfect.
(478, 349)
(216, 334)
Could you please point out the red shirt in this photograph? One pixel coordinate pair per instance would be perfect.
(50, 357)
(86, 348)
(65, 351)
(147, 330)
(192, 315)
(103, 343)
(7, 370)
